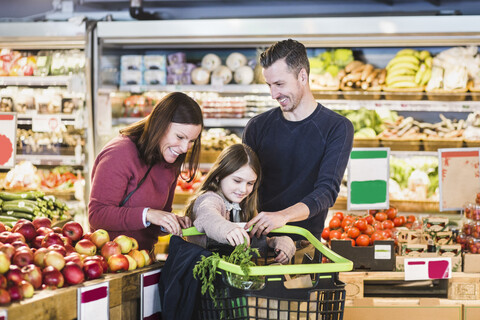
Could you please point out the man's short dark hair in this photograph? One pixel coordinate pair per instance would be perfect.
(292, 51)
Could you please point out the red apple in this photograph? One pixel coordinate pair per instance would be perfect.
(66, 240)
(73, 273)
(138, 256)
(57, 230)
(87, 247)
(70, 249)
(32, 274)
(14, 275)
(27, 289)
(132, 264)
(134, 243)
(2, 227)
(27, 229)
(75, 258)
(43, 231)
(99, 237)
(37, 242)
(73, 230)
(92, 269)
(15, 292)
(4, 297)
(4, 263)
(39, 256)
(4, 235)
(3, 281)
(117, 263)
(60, 249)
(8, 249)
(22, 257)
(100, 259)
(124, 242)
(110, 248)
(15, 236)
(52, 238)
(52, 277)
(87, 235)
(146, 255)
(42, 222)
(17, 244)
(55, 259)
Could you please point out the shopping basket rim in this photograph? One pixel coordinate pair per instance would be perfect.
(339, 263)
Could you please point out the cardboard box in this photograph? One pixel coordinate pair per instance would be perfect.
(471, 262)
(435, 224)
(443, 237)
(449, 250)
(379, 257)
(413, 250)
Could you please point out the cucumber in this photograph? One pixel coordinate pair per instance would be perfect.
(18, 215)
(26, 206)
(27, 195)
(8, 218)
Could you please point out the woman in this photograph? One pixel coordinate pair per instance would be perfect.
(134, 176)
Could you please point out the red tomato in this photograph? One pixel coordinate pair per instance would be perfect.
(378, 225)
(391, 213)
(369, 230)
(362, 240)
(397, 222)
(403, 219)
(361, 224)
(381, 216)
(388, 224)
(339, 215)
(353, 241)
(387, 233)
(353, 232)
(370, 219)
(335, 223)
(408, 225)
(411, 219)
(347, 221)
(344, 236)
(377, 235)
(335, 234)
(372, 212)
(326, 234)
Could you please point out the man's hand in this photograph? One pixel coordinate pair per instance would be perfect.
(265, 222)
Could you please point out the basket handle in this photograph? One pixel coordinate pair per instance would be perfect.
(339, 263)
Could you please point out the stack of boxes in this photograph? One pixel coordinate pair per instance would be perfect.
(143, 70)
(434, 239)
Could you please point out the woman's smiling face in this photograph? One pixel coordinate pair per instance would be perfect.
(178, 138)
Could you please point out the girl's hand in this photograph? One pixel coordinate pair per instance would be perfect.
(281, 257)
(238, 236)
(167, 220)
(185, 222)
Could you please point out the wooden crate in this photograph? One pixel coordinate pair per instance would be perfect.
(124, 301)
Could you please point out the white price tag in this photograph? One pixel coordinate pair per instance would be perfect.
(382, 252)
(8, 139)
(428, 268)
(150, 307)
(46, 123)
(93, 302)
(3, 314)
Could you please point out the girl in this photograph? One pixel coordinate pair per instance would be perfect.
(229, 195)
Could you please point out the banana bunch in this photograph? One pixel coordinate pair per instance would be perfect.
(409, 69)
(358, 75)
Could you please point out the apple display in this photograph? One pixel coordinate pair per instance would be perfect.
(52, 238)
(22, 257)
(27, 229)
(138, 256)
(92, 269)
(118, 263)
(110, 248)
(42, 222)
(99, 259)
(38, 257)
(27, 289)
(4, 263)
(73, 273)
(52, 277)
(73, 230)
(124, 242)
(32, 274)
(85, 246)
(4, 297)
(54, 259)
(99, 237)
(132, 264)
(146, 255)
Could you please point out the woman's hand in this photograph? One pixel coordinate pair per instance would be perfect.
(238, 236)
(167, 220)
(185, 222)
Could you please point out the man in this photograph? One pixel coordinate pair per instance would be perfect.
(303, 147)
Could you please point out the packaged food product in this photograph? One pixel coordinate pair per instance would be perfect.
(472, 211)
(58, 65)
(155, 62)
(177, 57)
(25, 101)
(44, 60)
(117, 103)
(75, 61)
(155, 77)
(472, 228)
(131, 77)
(131, 62)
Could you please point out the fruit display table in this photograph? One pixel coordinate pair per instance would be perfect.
(124, 299)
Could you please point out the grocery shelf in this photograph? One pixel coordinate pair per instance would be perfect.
(228, 88)
(52, 160)
(36, 81)
(403, 105)
(220, 122)
(75, 119)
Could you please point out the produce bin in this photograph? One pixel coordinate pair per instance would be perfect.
(271, 299)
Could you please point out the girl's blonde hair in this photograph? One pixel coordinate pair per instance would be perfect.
(230, 160)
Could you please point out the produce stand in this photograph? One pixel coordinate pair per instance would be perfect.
(124, 301)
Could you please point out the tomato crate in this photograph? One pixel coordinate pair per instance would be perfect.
(269, 297)
(378, 257)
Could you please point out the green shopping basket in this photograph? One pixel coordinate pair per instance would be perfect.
(271, 299)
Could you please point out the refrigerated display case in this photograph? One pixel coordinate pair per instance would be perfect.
(52, 99)
(372, 39)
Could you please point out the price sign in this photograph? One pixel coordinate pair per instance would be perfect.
(93, 302)
(150, 307)
(3, 314)
(428, 268)
(459, 177)
(368, 174)
(8, 139)
(46, 123)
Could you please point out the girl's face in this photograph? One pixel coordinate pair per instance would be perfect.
(178, 139)
(238, 185)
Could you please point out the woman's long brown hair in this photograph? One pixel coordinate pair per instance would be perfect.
(230, 160)
(175, 107)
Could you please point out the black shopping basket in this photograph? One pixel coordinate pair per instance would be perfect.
(269, 298)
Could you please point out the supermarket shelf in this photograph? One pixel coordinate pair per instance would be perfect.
(229, 88)
(220, 122)
(407, 154)
(35, 81)
(52, 160)
(402, 105)
(68, 119)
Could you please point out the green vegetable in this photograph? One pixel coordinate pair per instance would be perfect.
(28, 195)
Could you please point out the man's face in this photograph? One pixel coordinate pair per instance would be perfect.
(285, 86)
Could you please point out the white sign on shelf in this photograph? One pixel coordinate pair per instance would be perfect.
(428, 268)
(150, 307)
(93, 302)
(46, 123)
(8, 139)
